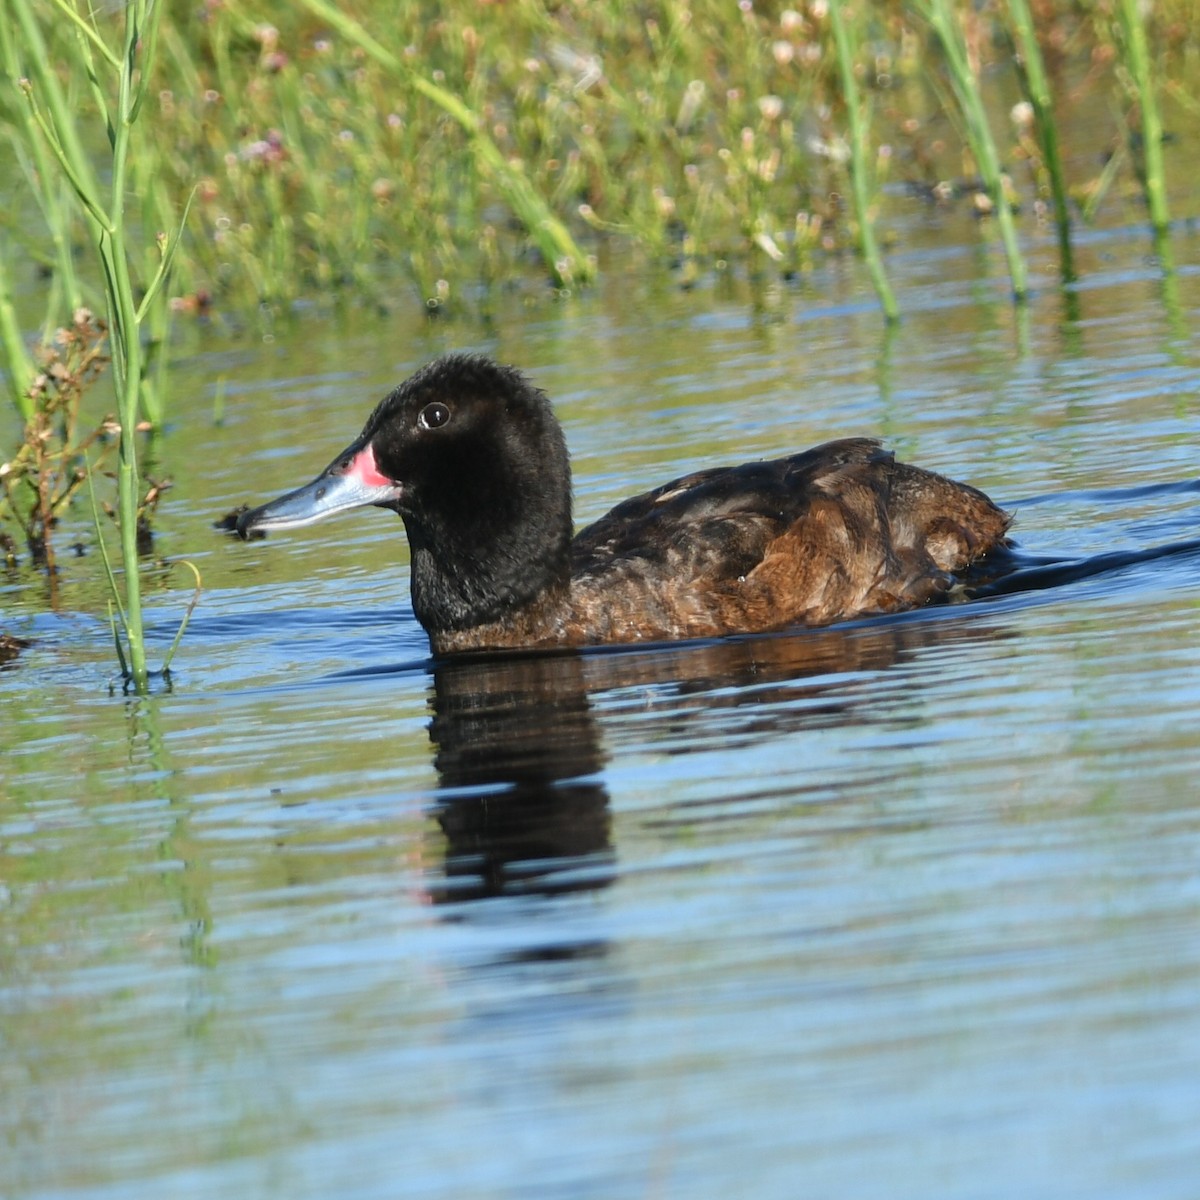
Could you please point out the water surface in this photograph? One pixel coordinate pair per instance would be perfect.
(906, 907)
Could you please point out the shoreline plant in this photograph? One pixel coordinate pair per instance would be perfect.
(336, 157)
(119, 81)
(1141, 85)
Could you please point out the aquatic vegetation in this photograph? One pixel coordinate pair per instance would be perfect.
(965, 84)
(119, 80)
(345, 159)
(339, 156)
(1036, 83)
(1141, 74)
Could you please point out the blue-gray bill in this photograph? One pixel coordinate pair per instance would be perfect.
(352, 480)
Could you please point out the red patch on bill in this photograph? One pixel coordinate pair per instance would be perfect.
(362, 467)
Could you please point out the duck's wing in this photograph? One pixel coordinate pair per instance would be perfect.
(836, 530)
(693, 518)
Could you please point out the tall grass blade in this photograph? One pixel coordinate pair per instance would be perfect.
(88, 31)
(114, 591)
(44, 184)
(126, 673)
(187, 616)
(1137, 60)
(77, 179)
(60, 129)
(860, 171)
(1037, 89)
(164, 266)
(941, 19)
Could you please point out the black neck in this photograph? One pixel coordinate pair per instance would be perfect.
(459, 582)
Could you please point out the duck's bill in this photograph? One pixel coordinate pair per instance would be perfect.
(352, 480)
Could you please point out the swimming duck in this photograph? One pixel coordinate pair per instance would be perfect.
(471, 456)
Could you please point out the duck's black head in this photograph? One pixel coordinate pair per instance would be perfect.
(470, 454)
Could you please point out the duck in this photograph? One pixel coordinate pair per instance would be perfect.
(469, 453)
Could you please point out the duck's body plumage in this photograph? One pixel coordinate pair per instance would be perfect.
(472, 457)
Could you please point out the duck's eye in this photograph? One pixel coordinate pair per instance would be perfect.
(433, 416)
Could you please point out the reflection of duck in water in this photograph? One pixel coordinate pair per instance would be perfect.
(519, 749)
(471, 456)
(518, 752)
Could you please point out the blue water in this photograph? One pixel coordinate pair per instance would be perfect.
(903, 908)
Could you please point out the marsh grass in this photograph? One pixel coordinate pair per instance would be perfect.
(452, 156)
(497, 142)
(350, 159)
(452, 152)
(944, 21)
(1032, 69)
(118, 80)
(1141, 77)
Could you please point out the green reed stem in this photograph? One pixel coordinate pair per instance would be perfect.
(127, 342)
(944, 24)
(1037, 88)
(566, 261)
(860, 170)
(1137, 60)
